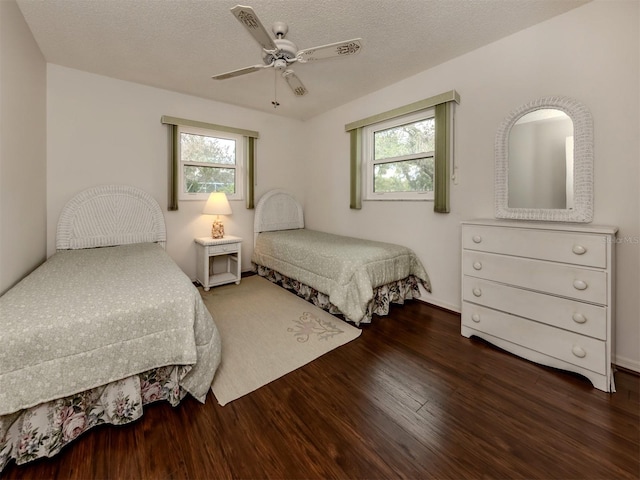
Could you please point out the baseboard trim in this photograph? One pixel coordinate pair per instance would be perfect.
(440, 304)
(627, 363)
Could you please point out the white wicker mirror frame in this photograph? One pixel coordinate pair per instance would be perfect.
(582, 167)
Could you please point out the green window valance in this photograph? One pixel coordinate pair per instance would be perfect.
(174, 172)
(443, 150)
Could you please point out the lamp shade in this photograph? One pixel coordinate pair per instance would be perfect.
(217, 204)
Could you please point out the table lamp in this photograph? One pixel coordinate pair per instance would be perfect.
(217, 204)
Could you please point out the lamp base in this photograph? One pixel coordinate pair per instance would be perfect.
(217, 229)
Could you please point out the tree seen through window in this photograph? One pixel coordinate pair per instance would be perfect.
(206, 163)
(403, 158)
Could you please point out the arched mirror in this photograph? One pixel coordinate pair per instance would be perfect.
(544, 162)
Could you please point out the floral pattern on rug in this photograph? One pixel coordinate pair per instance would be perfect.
(309, 325)
(383, 296)
(43, 430)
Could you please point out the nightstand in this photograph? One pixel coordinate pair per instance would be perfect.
(207, 249)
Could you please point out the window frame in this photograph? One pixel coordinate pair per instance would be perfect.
(369, 161)
(239, 167)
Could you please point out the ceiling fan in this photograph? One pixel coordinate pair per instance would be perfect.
(279, 53)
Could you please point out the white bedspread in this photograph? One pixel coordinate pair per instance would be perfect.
(89, 317)
(346, 269)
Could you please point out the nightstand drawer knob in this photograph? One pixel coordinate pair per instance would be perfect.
(477, 265)
(476, 239)
(580, 285)
(579, 250)
(579, 318)
(477, 292)
(475, 317)
(578, 351)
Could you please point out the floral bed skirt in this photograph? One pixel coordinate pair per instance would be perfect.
(41, 431)
(383, 296)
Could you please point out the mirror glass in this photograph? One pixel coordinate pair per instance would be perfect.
(544, 162)
(541, 160)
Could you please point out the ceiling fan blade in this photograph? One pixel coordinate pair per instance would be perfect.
(294, 82)
(240, 71)
(338, 49)
(248, 18)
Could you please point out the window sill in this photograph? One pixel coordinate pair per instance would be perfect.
(398, 199)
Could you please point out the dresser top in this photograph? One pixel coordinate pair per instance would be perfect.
(556, 226)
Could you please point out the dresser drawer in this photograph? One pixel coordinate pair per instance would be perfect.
(224, 248)
(555, 278)
(579, 317)
(570, 347)
(586, 249)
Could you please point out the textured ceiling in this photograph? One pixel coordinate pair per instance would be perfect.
(178, 44)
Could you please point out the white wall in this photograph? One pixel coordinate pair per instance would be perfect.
(104, 131)
(22, 148)
(591, 54)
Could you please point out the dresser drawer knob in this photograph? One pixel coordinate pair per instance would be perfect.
(579, 250)
(477, 292)
(475, 317)
(477, 265)
(476, 239)
(579, 318)
(580, 285)
(578, 351)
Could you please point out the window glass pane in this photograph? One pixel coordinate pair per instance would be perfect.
(209, 179)
(406, 176)
(204, 149)
(412, 138)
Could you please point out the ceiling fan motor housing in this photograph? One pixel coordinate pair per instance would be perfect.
(286, 51)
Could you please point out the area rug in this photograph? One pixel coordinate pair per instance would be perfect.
(267, 332)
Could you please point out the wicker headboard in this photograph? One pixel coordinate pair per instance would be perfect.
(277, 210)
(110, 215)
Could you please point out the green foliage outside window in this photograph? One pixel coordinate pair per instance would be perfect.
(405, 176)
(204, 149)
(199, 150)
(408, 151)
(209, 179)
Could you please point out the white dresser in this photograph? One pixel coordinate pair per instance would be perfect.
(543, 291)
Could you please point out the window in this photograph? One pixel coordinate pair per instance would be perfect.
(412, 163)
(194, 168)
(210, 161)
(398, 155)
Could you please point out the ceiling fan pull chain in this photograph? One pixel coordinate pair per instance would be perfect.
(275, 90)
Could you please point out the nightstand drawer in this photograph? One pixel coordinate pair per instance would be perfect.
(224, 248)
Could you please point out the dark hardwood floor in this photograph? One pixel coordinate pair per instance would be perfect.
(410, 398)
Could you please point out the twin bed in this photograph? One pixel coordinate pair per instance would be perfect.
(344, 275)
(110, 323)
(107, 324)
